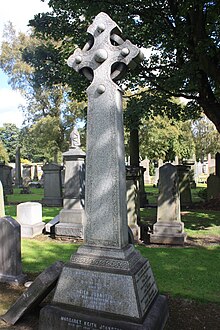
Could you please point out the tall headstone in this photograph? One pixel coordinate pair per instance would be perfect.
(6, 178)
(52, 185)
(168, 229)
(26, 172)
(18, 179)
(133, 201)
(10, 251)
(183, 172)
(72, 215)
(145, 163)
(107, 284)
(2, 204)
(213, 181)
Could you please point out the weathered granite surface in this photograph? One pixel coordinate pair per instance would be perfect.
(10, 251)
(36, 292)
(168, 229)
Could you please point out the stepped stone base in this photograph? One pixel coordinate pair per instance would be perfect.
(105, 288)
(56, 318)
(32, 230)
(69, 229)
(168, 233)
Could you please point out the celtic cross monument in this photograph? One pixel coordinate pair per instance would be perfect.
(107, 284)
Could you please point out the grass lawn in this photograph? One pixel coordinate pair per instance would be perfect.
(189, 272)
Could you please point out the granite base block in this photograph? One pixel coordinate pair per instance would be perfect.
(74, 216)
(13, 279)
(32, 230)
(54, 317)
(52, 201)
(168, 239)
(69, 229)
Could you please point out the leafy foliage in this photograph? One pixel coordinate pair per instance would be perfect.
(9, 135)
(183, 38)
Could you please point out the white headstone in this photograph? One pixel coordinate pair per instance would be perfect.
(29, 215)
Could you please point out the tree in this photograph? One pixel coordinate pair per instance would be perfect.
(162, 138)
(206, 138)
(3, 153)
(9, 135)
(183, 37)
(45, 104)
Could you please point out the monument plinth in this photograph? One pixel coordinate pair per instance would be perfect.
(107, 284)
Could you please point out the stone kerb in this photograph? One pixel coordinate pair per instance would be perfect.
(29, 215)
(168, 229)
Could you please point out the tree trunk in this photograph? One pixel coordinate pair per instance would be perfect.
(134, 147)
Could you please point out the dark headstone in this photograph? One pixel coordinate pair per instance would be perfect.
(36, 292)
(52, 185)
(6, 178)
(217, 164)
(10, 251)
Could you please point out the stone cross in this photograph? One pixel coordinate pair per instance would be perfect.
(104, 59)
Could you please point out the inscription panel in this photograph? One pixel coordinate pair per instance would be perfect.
(76, 323)
(146, 286)
(100, 291)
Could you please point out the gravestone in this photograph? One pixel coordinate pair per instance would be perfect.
(72, 215)
(183, 172)
(26, 172)
(107, 284)
(6, 178)
(2, 203)
(18, 179)
(52, 185)
(37, 291)
(29, 215)
(213, 181)
(146, 164)
(168, 229)
(10, 251)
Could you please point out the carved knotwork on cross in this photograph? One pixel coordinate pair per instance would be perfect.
(106, 56)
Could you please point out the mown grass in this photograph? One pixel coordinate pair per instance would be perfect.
(191, 273)
(35, 195)
(187, 272)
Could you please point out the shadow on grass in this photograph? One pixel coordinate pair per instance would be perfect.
(187, 272)
(38, 255)
(200, 219)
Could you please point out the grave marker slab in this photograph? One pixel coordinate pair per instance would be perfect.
(29, 215)
(107, 284)
(2, 204)
(168, 229)
(35, 293)
(10, 251)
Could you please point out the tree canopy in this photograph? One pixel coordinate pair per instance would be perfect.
(183, 37)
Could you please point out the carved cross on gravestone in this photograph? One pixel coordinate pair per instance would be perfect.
(103, 60)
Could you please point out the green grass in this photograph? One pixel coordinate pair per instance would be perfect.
(17, 197)
(197, 223)
(37, 255)
(187, 272)
(152, 193)
(191, 273)
(48, 212)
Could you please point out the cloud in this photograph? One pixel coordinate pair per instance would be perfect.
(20, 12)
(9, 102)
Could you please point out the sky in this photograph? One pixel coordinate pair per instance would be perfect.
(19, 12)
